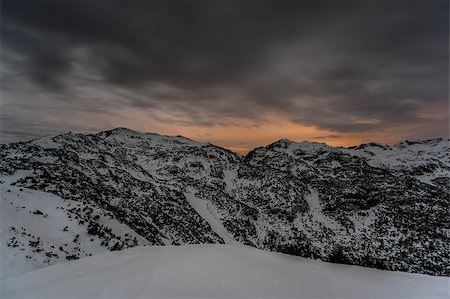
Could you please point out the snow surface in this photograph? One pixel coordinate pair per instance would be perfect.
(316, 211)
(215, 271)
(53, 229)
(410, 153)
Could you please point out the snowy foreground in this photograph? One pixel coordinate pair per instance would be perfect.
(215, 271)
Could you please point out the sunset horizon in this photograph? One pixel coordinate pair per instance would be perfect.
(330, 140)
(233, 73)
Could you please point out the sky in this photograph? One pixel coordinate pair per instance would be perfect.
(239, 74)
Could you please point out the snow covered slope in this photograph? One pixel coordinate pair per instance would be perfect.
(38, 229)
(372, 205)
(216, 271)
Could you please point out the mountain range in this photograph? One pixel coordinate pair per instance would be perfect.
(72, 195)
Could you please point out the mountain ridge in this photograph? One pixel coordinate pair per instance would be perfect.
(364, 206)
(132, 131)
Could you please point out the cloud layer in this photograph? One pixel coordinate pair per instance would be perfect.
(343, 67)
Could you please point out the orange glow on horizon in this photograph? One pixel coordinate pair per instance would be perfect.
(243, 135)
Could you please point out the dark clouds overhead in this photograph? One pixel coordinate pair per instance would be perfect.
(344, 66)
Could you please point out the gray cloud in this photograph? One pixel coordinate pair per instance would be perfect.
(346, 66)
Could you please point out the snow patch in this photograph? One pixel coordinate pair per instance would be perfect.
(216, 271)
(208, 212)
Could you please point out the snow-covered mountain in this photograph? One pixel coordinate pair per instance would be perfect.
(216, 271)
(73, 195)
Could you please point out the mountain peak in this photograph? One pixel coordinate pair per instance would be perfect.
(431, 141)
(120, 131)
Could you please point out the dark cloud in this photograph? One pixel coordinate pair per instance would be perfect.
(346, 66)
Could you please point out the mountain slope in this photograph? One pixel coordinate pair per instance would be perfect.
(40, 229)
(216, 271)
(374, 205)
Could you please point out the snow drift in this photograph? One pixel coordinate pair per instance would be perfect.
(215, 271)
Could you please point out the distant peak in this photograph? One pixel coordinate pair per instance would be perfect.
(122, 130)
(125, 134)
(285, 144)
(370, 144)
(304, 142)
(284, 140)
(282, 143)
(432, 141)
